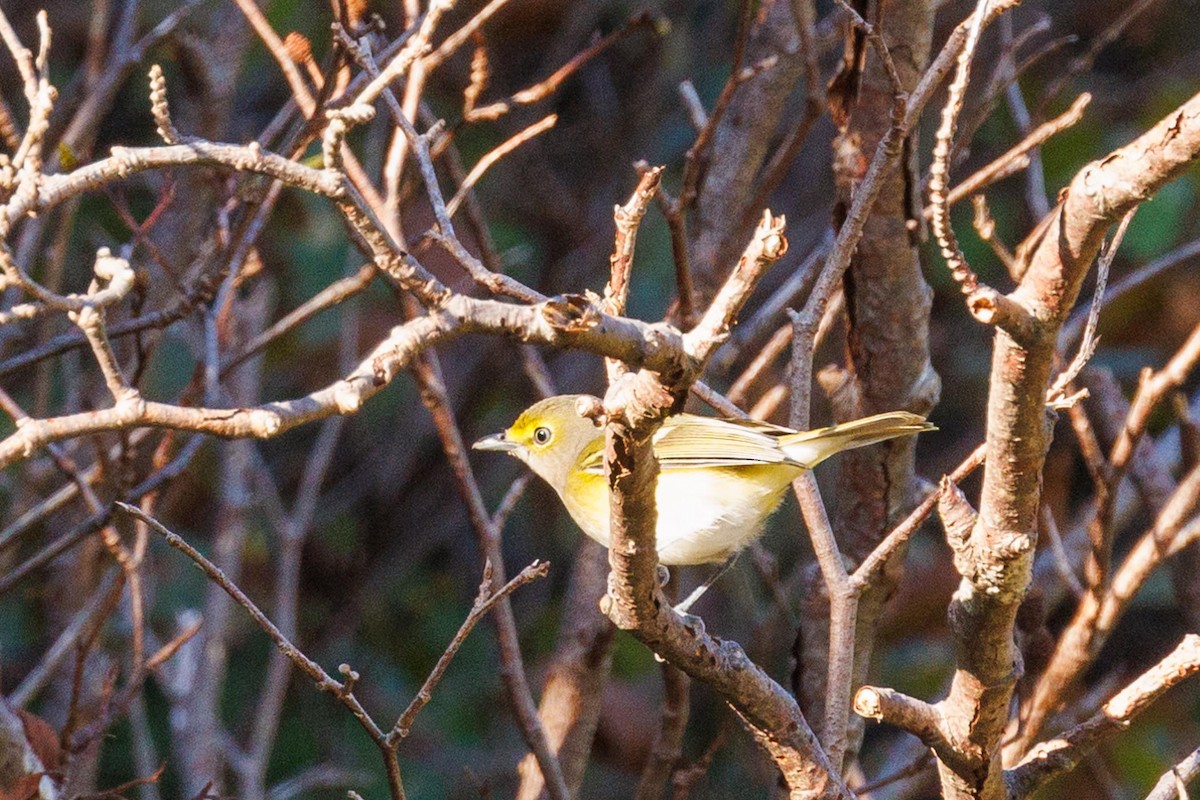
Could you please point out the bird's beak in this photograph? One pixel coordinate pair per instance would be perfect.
(496, 442)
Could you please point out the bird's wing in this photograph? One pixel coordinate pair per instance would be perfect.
(687, 441)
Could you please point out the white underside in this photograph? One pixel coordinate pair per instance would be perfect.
(704, 515)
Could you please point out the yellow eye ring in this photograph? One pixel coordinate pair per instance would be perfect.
(542, 436)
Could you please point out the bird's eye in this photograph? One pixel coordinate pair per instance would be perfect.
(542, 436)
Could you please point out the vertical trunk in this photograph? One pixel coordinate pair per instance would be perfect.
(887, 306)
(570, 707)
(740, 146)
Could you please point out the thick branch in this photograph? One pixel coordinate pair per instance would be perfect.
(635, 406)
(1003, 539)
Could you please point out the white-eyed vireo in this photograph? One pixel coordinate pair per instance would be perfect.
(719, 481)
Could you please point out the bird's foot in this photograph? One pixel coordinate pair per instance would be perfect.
(664, 575)
(691, 621)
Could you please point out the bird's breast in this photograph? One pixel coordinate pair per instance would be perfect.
(704, 514)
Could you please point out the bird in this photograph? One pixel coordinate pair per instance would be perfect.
(719, 479)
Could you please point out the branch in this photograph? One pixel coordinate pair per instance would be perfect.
(1016, 158)
(626, 219)
(886, 155)
(882, 554)
(1173, 784)
(547, 86)
(1180, 256)
(906, 713)
(566, 321)
(571, 698)
(487, 533)
(1063, 753)
(98, 520)
(767, 246)
(494, 155)
(343, 692)
(1097, 614)
(634, 407)
(985, 303)
(485, 601)
(984, 609)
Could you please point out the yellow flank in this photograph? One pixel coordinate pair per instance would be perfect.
(719, 479)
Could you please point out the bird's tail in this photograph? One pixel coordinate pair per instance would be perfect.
(810, 448)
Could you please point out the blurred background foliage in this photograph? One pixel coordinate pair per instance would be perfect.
(390, 568)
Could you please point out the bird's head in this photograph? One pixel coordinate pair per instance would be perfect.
(549, 436)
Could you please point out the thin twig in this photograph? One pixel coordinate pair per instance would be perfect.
(332, 295)
(626, 220)
(878, 559)
(1084, 62)
(1016, 157)
(429, 376)
(323, 681)
(485, 601)
(494, 155)
(1087, 348)
(548, 85)
(1173, 784)
(1064, 752)
(1180, 256)
(98, 520)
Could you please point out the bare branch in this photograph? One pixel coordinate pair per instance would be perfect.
(1016, 157)
(634, 407)
(342, 692)
(495, 154)
(487, 599)
(1173, 784)
(547, 86)
(987, 305)
(983, 611)
(1063, 753)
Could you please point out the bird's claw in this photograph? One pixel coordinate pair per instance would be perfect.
(691, 621)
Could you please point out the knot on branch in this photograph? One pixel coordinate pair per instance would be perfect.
(264, 423)
(124, 160)
(590, 407)
(620, 603)
(994, 575)
(956, 512)
(984, 562)
(770, 236)
(381, 371)
(638, 400)
(999, 310)
(571, 313)
(114, 271)
(108, 266)
(131, 404)
(348, 398)
(868, 703)
(351, 681)
(1100, 186)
